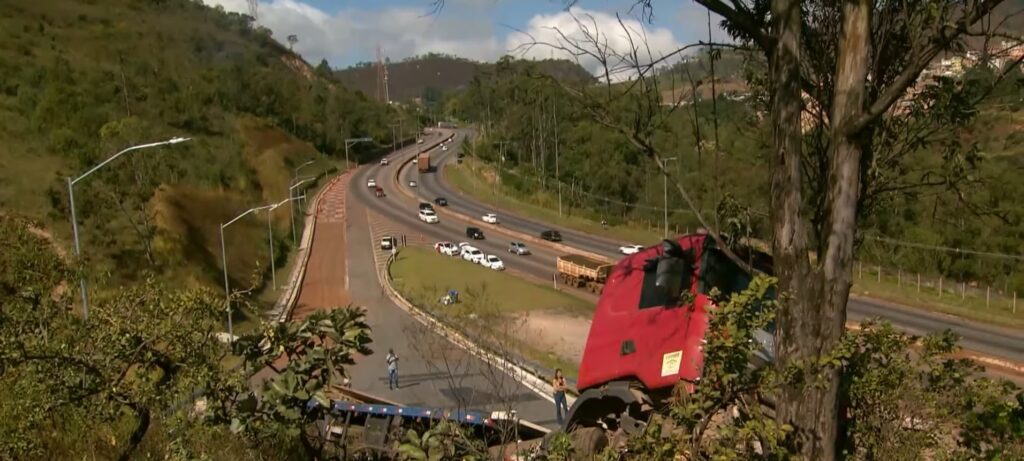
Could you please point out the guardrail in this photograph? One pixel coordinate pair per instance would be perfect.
(528, 374)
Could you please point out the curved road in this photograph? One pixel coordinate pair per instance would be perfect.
(432, 373)
(994, 341)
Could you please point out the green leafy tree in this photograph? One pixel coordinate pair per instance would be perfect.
(309, 359)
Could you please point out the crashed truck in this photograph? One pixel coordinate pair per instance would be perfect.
(642, 342)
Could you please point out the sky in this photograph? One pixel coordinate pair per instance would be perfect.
(345, 32)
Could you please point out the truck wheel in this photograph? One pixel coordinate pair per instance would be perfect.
(588, 442)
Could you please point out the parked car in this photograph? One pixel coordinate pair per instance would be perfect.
(426, 206)
(378, 191)
(388, 243)
(630, 249)
(371, 183)
(446, 248)
(464, 244)
(490, 218)
(441, 201)
(412, 183)
(471, 254)
(474, 233)
(428, 216)
(384, 161)
(518, 248)
(551, 236)
(493, 262)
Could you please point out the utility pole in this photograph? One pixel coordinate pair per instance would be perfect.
(664, 162)
(558, 179)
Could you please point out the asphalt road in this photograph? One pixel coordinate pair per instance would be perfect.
(432, 372)
(994, 341)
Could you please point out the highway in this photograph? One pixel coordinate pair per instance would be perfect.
(432, 372)
(990, 340)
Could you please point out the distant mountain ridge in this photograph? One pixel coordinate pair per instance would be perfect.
(413, 77)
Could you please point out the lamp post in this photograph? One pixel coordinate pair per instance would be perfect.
(74, 217)
(291, 205)
(269, 236)
(224, 260)
(351, 141)
(665, 161)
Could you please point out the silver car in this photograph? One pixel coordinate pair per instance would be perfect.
(518, 248)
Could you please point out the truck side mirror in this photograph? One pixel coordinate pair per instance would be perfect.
(673, 270)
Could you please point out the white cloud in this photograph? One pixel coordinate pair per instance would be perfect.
(559, 29)
(351, 35)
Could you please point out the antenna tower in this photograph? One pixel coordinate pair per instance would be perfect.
(382, 77)
(254, 6)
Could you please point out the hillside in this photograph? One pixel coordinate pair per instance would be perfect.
(426, 76)
(80, 81)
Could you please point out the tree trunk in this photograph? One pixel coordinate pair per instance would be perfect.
(141, 427)
(812, 320)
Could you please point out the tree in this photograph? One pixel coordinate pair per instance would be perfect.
(854, 61)
(308, 359)
(292, 40)
(143, 351)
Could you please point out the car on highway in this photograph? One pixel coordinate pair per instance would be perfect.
(419, 141)
(441, 201)
(446, 248)
(630, 249)
(412, 183)
(415, 160)
(518, 248)
(464, 244)
(426, 206)
(474, 233)
(384, 161)
(551, 236)
(444, 147)
(490, 218)
(371, 183)
(378, 191)
(428, 216)
(472, 254)
(388, 242)
(493, 262)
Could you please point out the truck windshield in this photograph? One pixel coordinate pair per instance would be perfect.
(718, 271)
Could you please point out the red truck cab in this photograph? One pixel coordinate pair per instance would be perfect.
(642, 342)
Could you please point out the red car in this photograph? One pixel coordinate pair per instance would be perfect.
(378, 191)
(641, 342)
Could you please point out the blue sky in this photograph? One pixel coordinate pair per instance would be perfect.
(345, 32)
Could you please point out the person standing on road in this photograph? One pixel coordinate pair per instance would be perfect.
(561, 405)
(392, 361)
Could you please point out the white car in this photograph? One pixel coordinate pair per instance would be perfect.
(428, 216)
(446, 248)
(493, 262)
(412, 183)
(472, 254)
(384, 161)
(443, 147)
(490, 218)
(371, 183)
(630, 249)
(415, 160)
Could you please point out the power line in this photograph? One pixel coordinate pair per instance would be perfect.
(946, 249)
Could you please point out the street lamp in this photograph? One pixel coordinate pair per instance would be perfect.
(270, 235)
(74, 218)
(351, 141)
(664, 162)
(224, 259)
(291, 205)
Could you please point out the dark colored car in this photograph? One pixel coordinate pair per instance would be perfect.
(551, 236)
(474, 233)
(441, 201)
(426, 206)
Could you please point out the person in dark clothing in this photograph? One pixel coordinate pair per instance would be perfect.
(561, 405)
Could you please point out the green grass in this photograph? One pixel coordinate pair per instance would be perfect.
(426, 276)
(540, 206)
(997, 312)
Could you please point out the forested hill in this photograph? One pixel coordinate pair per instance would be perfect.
(423, 76)
(79, 81)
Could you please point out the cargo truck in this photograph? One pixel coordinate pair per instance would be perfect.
(582, 272)
(423, 162)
